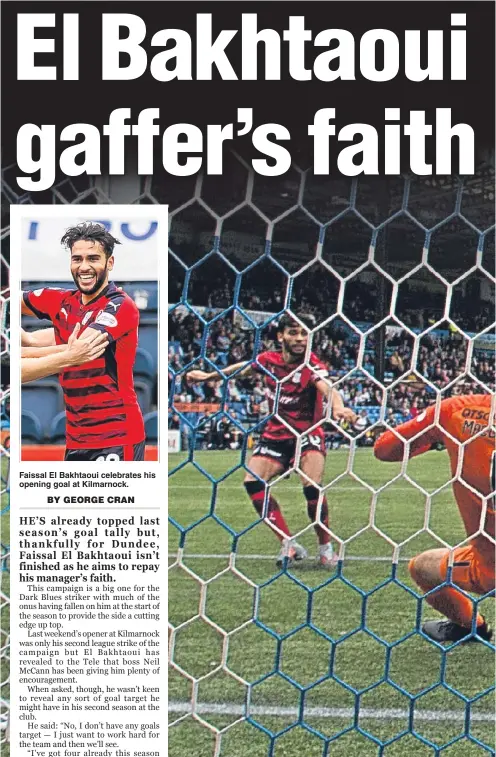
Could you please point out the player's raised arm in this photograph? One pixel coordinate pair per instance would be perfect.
(39, 338)
(390, 449)
(198, 376)
(37, 352)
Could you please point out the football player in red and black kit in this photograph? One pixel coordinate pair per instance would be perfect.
(299, 405)
(104, 421)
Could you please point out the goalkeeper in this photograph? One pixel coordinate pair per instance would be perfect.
(463, 421)
(299, 404)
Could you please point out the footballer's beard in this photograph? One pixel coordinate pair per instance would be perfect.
(99, 280)
(295, 352)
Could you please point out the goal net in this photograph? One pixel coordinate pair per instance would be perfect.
(4, 484)
(396, 279)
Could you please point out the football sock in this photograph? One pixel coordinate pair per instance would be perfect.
(312, 497)
(256, 492)
(453, 604)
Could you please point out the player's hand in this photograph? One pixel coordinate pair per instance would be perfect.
(345, 414)
(89, 334)
(197, 375)
(84, 350)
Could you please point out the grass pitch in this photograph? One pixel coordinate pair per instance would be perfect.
(317, 652)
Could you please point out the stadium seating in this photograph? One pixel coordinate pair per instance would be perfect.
(144, 395)
(31, 430)
(148, 340)
(144, 366)
(144, 293)
(44, 399)
(151, 427)
(57, 429)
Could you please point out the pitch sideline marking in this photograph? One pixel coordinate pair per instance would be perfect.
(214, 708)
(290, 487)
(353, 558)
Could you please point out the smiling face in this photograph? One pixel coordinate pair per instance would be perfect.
(90, 267)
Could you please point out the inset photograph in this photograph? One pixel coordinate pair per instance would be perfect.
(89, 336)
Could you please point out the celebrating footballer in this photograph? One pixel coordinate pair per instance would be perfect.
(296, 391)
(93, 344)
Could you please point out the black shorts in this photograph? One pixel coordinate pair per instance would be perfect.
(283, 451)
(127, 453)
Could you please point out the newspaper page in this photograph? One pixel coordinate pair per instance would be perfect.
(321, 176)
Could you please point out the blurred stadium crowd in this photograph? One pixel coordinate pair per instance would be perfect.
(443, 357)
(266, 290)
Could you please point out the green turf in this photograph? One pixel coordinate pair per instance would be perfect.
(335, 608)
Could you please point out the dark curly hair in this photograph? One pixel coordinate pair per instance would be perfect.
(90, 232)
(286, 321)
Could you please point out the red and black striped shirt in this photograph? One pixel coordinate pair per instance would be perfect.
(101, 405)
(299, 403)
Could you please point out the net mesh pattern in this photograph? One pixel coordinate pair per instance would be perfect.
(312, 241)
